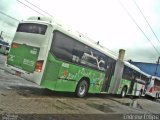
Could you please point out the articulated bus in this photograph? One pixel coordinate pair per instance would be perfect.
(57, 58)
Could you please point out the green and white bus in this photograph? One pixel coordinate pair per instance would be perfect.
(57, 58)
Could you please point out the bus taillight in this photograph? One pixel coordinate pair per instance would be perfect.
(39, 65)
(14, 45)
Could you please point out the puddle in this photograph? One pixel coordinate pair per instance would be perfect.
(65, 105)
(101, 107)
(8, 88)
(134, 103)
(28, 90)
(3, 94)
(158, 100)
(23, 94)
(57, 107)
(126, 104)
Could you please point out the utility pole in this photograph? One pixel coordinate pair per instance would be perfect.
(157, 67)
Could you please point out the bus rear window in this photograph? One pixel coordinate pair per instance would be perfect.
(32, 28)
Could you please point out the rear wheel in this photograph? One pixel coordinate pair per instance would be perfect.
(123, 92)
(82, 89)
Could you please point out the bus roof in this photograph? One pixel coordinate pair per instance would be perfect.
(132, 66)
(136, 68)
(43, 19)
(155, 77)
(145, 74)
(72, 33)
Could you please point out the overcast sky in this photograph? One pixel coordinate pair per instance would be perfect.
(101, 20)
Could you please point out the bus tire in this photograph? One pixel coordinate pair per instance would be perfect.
(82, 89)
(123, 92)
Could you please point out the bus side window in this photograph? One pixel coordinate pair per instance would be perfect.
(147, 82)
(67, 48)
(83, 55)
(100, 58)
(157, 84)
(127, 73)
(89, 60)
(62, 46)
(136, 75)
(101, 65)
(77, 52)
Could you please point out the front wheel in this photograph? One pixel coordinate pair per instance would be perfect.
(82, 89)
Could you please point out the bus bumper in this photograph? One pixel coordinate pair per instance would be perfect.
(33, 77)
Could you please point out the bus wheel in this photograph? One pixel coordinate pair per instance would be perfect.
(82, 88)
(123, 92)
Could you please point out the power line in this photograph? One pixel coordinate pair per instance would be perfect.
(9, 16)
(146, 20)
(30, 8)
(138, 26)
(38, 8)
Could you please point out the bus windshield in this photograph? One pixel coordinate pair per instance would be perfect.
(32, 28)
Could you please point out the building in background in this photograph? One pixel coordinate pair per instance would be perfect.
(149, 68)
